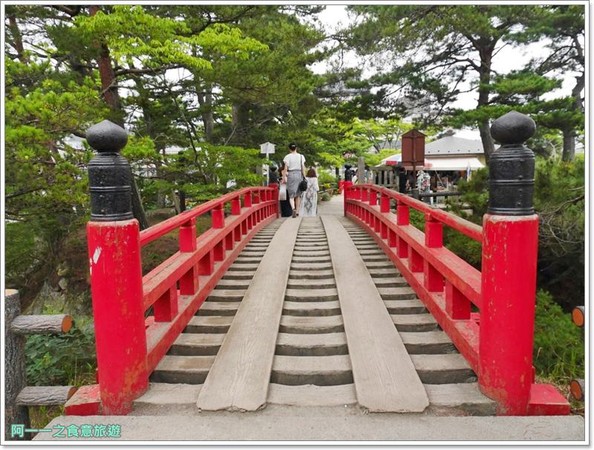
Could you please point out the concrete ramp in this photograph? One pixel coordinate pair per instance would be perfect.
(239, 377)
(384, 375)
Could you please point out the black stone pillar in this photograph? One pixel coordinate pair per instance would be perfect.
(110, 178)
(511, 166)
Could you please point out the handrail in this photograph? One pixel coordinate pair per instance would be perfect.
(161, 229)
(496, 340)
(175, 289)
(464, 226)
(129, 347)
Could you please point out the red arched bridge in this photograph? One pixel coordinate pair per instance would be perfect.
(353, 307)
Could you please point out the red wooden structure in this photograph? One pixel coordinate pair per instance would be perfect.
(489, 315)
(129, 346)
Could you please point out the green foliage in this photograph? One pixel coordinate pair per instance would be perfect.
(467, 249)
(560, 202)
(22, 255)
(54, 360)
(475, 195)
(559, 348)
(325, 179)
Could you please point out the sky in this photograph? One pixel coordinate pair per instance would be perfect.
(335, 17)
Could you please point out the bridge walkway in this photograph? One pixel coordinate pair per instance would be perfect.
(313, 313)
(315, 384)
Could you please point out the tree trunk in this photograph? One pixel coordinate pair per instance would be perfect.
(486, 53)
(14, 367)
(17, 42)
(205, 101)
(240, 120)
(486, 139)
(112, 98)
(106, 73)
(568, 144)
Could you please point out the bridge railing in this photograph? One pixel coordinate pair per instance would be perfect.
(130, 343)
(488, 314)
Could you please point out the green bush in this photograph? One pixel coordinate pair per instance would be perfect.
(324, 196)
(55, 360)
(559, 348)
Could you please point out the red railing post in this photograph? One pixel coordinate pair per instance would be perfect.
(402, 219)
(347, 194)
(113, 239)
(510, 245)
(372, 197)
(384, 203)
(364, 194)
(434, 281)
(218, 216)
(274, 197)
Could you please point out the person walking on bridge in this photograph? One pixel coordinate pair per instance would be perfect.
(309, 203)
(295, 165)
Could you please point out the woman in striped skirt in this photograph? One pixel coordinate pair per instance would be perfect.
(295, 164)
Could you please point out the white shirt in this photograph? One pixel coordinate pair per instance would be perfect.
(294, 161)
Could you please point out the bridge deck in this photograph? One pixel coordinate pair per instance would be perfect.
(313, 313)
(289, 331)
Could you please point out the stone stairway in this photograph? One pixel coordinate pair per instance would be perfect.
(448, 379)
(311, 364)
(193, 353)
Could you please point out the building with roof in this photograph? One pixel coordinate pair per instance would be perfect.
(451, 153)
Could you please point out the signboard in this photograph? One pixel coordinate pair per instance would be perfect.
(267, 148)
(413, 148)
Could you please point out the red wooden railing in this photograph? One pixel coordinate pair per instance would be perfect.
(497, 338)
(129, 347)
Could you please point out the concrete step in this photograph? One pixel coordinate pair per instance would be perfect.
(210, 308)
(316, 283)
(461, 399)
(322, 244)
(414, 306)
(414, 322)
(311, 325)
(311, 344)
(301, 274)
(315, 259)
(327, 424)
(384, 264)
(312, 395)
(311, 251)
(311, 295)
(311, 266)
(383, 272)
(233, 284)
(329, 308)
(318, 370)
(226, 295)
(197, 344)
(428, 342)
(251, 267)
(241, 259)
(167, 394)
(443, 369)
(399, 293)
(209, 324)
(182, 369)
(232, 274)
(259, 249)
(389, 282)
(375, 258)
